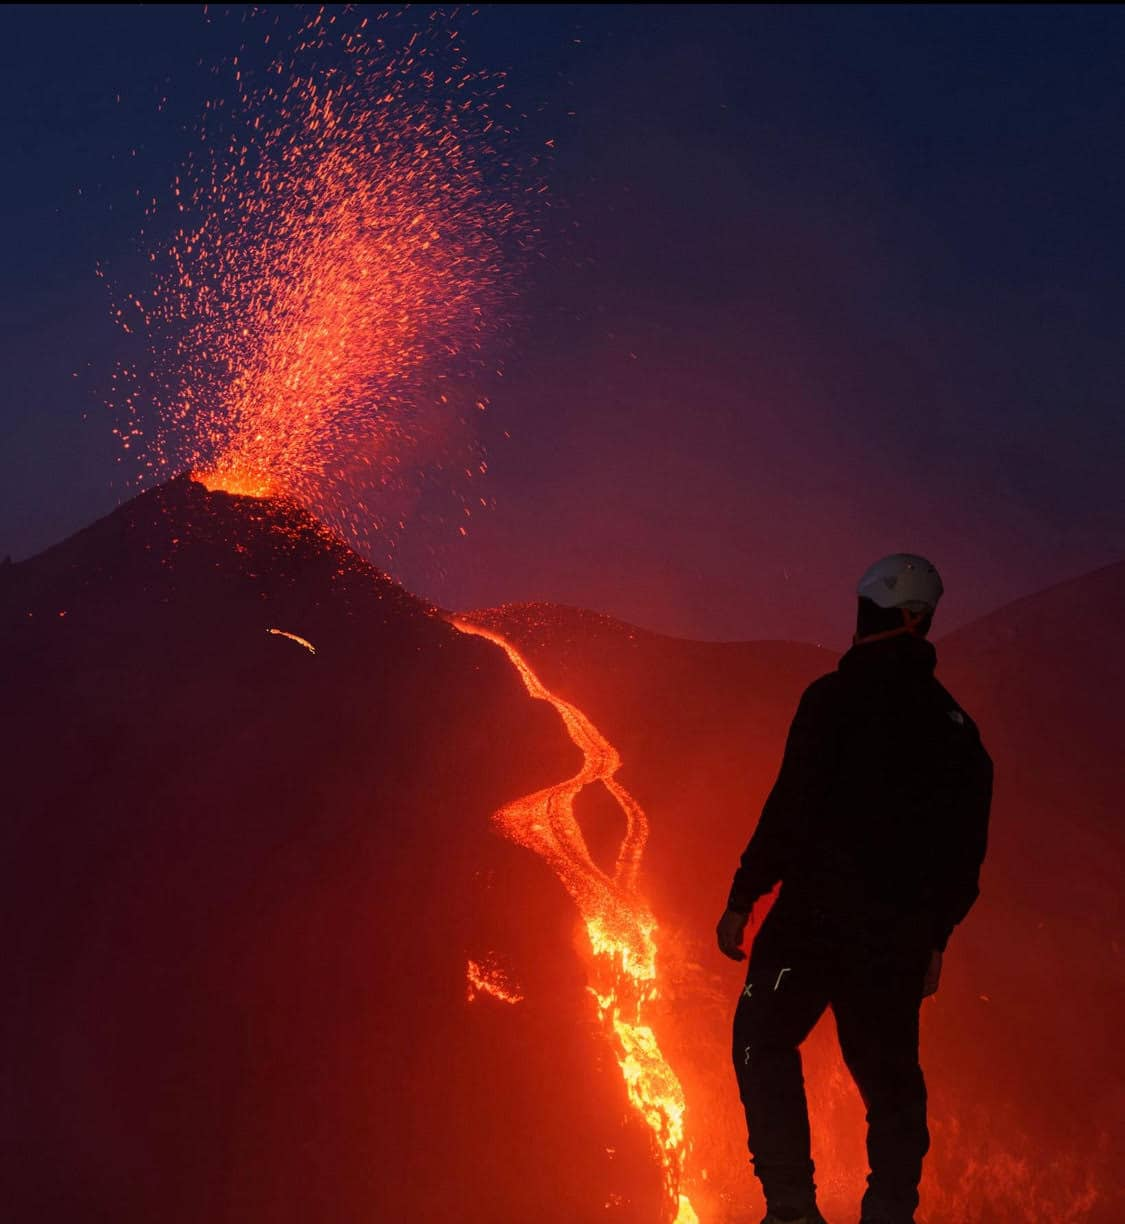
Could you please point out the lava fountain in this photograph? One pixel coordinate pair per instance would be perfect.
(344, 245)
(619, 923)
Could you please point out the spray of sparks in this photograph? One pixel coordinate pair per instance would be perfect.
(344, 248)
(619, 923)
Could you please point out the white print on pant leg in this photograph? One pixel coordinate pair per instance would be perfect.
(746, 1060)
(780, 976)
(749, 988)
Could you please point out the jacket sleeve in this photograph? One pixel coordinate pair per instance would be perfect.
(962, 880)
(800, 789)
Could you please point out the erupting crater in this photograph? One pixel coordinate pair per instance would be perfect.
(239, 484)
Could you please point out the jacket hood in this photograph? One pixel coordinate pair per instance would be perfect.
(904, 654)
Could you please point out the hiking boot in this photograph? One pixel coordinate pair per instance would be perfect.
(811, 1216)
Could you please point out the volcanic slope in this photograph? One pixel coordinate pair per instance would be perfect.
(1020, 1044)
(243, 884)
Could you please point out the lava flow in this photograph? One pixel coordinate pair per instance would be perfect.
(619, 923)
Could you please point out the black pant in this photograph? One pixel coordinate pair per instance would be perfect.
(875, 995)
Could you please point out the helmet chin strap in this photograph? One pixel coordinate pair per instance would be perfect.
(911, 621)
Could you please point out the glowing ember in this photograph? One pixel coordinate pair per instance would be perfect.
(620, 925)
(294, 638)
(339, 261)
(488, 978)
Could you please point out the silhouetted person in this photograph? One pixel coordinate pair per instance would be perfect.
(876, 827)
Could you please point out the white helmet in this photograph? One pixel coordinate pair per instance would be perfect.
(902, 580)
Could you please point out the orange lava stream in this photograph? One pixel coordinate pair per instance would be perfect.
(618, 921)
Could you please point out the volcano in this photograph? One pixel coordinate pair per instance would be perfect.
(248, 888)
(272, 956)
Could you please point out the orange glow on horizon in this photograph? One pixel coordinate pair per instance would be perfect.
(619, 923)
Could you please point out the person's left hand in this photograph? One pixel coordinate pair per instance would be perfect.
(933, 974)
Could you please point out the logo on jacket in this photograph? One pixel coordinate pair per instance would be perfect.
(957, 717)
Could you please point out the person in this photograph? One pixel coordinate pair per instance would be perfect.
(876, 828)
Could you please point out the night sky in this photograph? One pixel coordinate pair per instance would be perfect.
(816, 284)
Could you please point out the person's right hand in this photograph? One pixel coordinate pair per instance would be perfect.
(730, 929)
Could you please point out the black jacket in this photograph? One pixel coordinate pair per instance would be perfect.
(880, 809)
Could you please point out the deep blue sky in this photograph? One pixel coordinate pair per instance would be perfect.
(822, 283)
